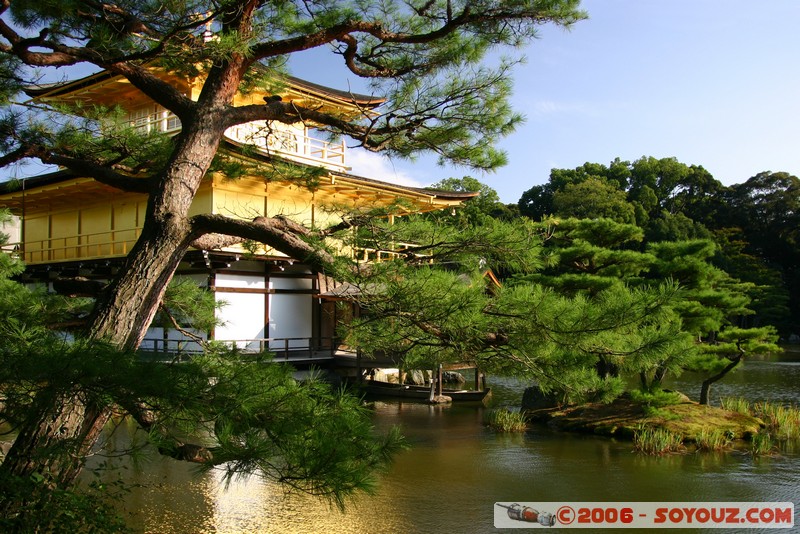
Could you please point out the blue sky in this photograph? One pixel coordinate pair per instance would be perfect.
(710, 82)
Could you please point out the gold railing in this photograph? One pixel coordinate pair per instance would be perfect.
(111, 244)
(118, 243)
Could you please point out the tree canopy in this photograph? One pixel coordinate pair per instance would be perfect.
(424, 60)
(754, 224)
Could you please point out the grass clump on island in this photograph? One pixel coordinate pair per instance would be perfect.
(505, 420)
(713, 440)
(781, 422)
(656, 441)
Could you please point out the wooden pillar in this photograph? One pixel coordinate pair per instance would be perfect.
(439, 381)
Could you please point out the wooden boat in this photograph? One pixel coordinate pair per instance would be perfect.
(420, 393)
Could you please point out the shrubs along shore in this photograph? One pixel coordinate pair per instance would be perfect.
(668, 422)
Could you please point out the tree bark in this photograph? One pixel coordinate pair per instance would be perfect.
(705, 389)
(67, 424)
(61, 431)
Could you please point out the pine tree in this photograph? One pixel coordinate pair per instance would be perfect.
(426, 60)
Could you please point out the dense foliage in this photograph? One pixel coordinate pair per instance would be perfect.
(248, 415)
(425, 58)
(754, 226)
(625, 228)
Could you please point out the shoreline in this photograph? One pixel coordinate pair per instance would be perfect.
(623, 417)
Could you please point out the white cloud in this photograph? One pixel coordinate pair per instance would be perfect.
(379, 167)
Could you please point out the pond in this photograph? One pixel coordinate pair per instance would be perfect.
(457, 469)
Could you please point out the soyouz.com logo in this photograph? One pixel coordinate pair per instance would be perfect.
(644, 515)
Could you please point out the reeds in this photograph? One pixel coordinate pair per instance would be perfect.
(736, 404)
(504, 420)
(656, 441)
(761, 444)
(783, 422)
(712, 440)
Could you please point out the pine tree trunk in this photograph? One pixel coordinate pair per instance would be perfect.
(63, 428)
(124, 313)
(705, 388)
(58, 435)
(705, 391)
(64, 425)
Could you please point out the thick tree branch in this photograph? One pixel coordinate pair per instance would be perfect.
(223, 78)
(277, 232)
(101, 173)
(154, 87)
(62, 55)
(346, 32)
(16, 155)
(285, 112)
(145, 416)
(289, 113)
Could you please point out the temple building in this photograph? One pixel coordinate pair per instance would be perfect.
(70, 225)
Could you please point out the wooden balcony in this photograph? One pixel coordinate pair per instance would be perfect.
(289, 349)
(292, 145)
(114, 244)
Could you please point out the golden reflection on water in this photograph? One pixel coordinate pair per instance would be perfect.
(170, 497)
(172, 504)
(449, 481)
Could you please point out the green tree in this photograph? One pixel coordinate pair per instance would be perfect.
(728, 350)
(426, 59)
(590, 255)
(485, 204)
(766, 211)
(444, 309)
(711, 309)
(712, 298)
(770, 293)
(593, 197)
(672, 201)
(537, 202)
(600, 260)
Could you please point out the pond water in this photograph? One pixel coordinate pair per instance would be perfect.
(457, 469)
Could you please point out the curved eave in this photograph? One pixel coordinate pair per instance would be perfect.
(313, 89)
(52, 90)
(293, 84)
(337, 187)
(424, 199)
(54, 191)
